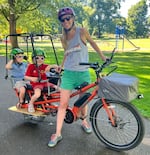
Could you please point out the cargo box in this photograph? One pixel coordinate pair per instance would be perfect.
(118, 87)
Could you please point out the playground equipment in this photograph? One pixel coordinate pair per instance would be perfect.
(120, 34)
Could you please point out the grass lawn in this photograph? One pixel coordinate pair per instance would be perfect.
(136, 63)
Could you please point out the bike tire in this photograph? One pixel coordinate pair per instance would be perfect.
(129, 131)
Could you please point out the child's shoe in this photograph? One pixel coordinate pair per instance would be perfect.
(31, 108)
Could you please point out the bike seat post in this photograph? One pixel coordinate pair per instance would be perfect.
(76, 112)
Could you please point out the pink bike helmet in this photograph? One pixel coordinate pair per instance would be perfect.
(65, 11)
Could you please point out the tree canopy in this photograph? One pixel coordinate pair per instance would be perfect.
(99, 16)
(137, 19)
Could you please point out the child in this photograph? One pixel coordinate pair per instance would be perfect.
(18, 68)
(35, 72)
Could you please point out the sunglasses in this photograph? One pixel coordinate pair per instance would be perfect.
(67, 19)
(19, 56)
(37, 58)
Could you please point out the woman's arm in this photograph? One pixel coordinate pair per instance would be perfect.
(64, 45)
(86, 36)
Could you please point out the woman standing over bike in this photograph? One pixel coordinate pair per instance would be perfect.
(74, 41)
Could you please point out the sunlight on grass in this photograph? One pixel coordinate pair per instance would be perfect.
(144, 76)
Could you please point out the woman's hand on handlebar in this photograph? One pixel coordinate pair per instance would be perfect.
(57, 68)
(53, 68)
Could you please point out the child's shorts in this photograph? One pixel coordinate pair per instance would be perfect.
(43, 85)
(20, 84)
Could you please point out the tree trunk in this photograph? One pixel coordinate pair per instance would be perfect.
(12, 24)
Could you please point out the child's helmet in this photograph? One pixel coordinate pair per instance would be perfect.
(65, 11)
(38, 52)
(15, 51)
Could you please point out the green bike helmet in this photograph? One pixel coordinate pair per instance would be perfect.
(38, 52)
(14, 52)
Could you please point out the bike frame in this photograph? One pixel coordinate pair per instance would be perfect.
(47, 104)
(55, 96)
(105, 114)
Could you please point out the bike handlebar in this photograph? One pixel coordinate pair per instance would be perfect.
(96, 65)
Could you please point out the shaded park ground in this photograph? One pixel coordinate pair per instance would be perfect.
(20, 137)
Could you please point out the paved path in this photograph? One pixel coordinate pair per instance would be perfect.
(20, 137)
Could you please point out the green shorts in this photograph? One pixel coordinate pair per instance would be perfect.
(72, 79)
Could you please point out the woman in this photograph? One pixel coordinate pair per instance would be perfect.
(74, 41)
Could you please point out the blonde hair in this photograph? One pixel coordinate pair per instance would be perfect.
(64, 39)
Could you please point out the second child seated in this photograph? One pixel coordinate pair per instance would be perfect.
(37, 71)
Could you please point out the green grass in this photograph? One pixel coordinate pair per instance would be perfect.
(136, 63)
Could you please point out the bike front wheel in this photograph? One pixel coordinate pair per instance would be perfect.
(128, 131)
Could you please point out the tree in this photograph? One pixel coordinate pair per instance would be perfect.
(36, 16)
(136, 21)
(12, 10)
(105, 12)
(148, 26)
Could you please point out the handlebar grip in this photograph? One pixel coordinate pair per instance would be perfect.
(88, 63)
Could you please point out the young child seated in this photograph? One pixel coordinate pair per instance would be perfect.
(17, 71)
(35, 73)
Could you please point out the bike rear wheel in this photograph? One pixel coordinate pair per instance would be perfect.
(128, 131)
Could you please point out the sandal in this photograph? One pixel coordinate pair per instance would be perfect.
(86, 128)
(18, 105)
(54, 140)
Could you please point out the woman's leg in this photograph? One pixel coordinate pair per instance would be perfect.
(64, 99)
(84, 112)
(85, 125)
(85, 76)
